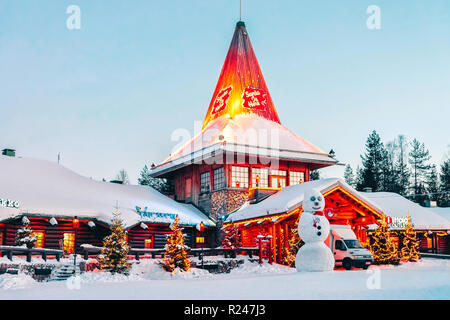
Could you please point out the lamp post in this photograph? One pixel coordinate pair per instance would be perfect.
(201, 227)
(75, 224)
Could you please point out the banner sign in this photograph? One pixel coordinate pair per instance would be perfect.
(8, 203)
(399, 223)
(255, 99)
(155, 216)
(221, 100)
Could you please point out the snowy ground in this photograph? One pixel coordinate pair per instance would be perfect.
(427, 279)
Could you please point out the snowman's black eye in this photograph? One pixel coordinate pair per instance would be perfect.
(319, 198)
(319, 227)
(313, 198)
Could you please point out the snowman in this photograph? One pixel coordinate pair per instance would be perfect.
(313, 229)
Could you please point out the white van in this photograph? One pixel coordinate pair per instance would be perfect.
(347, 250)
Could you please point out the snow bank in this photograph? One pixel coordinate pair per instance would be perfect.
(20, 281)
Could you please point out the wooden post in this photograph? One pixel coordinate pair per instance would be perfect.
(9, 254)
(260, 250)
(44, 256)
(29, 256)
(278, 241)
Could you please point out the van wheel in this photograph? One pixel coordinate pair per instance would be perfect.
(347, 264)
(366, 267)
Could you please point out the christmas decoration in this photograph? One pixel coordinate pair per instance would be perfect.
(384, 250)
(231, 238)
(314, 228)
(409, 250)
(25, 235)
(113, 257)
(176, 254)
(295, 243)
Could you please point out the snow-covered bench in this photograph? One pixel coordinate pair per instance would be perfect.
(16, 250)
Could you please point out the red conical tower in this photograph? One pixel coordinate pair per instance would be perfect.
(241, 88)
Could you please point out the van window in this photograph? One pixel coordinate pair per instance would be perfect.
(353, 244)
(339, 245)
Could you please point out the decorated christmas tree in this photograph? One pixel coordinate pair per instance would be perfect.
(113, 257)
(25, 235)
(176, 254)
(295, 243)
(383, 249)
(231, 237)
(409, 250)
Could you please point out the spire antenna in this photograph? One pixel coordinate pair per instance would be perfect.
(240, 10)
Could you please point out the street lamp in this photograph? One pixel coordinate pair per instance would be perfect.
(75, 225)
(201, 227)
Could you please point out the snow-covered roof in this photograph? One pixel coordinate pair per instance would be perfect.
(395, 205)
(290, 198)
(45, 188)
(443, 212)
(245, 134)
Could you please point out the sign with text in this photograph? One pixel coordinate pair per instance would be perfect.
(8, 203)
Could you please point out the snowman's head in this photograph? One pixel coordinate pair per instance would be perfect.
(313, 201)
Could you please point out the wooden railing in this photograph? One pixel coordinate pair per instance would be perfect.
(137, 252)
(10, 251)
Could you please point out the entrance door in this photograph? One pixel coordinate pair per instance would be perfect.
(69, 242)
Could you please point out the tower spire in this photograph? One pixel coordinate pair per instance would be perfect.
(241, 88)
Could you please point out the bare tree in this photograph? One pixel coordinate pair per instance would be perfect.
(123, 176)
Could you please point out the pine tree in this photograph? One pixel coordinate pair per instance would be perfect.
(372, 170)
(295, 243)
(176, 252)
(418, 158)
(349, 177)
(444, 185)
(114, 254)
(432, 184)
(231, 238)
(382, 247)
(315, 175)
(409, 251)
(401, 166)
(25, 235)
(388, 172)
(159, 184)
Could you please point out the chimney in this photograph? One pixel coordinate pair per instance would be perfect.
(9, 152)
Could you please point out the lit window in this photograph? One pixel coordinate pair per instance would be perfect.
(296, 177)
(200, 240)
(69, 242)
(274, 172)
(205, 182)
(148, 243)
(263, 175)
(239, 177)
(39, 240)
(219, 178)
(278, 178)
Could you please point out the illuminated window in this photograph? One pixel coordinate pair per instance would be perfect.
(239, 177)
(278, 178)
(219, 178)
(148, 243)
(263, 177)
(200, 240)
(69, 242)
(39, 240)
(205, 182)
(296, 177)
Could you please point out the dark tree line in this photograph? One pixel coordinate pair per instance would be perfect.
(402, 167)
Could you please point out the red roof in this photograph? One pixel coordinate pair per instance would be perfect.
(241, 88)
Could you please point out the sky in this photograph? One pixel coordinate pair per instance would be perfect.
(109, 95)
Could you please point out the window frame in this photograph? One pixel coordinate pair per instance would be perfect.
(240, 174)
(219, 178)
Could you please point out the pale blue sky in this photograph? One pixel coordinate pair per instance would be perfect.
(109, 96)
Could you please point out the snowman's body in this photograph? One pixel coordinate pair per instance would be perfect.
(313, 229)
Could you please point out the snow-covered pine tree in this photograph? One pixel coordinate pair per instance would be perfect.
(432, 184)
(383, 249)
(315, 175)
(25, 235)
(418, 158)
(176, 252)
(231, 237)
(409, 251)
(159, 184)
(444, 186)
(349, 177)
(371, 173)
(401, 166)
(114, 255)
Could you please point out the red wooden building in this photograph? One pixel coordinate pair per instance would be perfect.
(66, 210)
(243, 151)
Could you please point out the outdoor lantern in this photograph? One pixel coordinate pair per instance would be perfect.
(257, 180)
(201, 226)
(75, 223)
